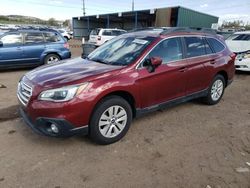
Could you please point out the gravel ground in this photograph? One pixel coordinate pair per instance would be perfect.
(190, 145)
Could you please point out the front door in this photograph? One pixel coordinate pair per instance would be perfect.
(11, 51)
(169, 80)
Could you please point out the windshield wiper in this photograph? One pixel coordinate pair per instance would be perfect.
(99, 61)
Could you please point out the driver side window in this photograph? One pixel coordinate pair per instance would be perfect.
(12, 39)
(168, 50)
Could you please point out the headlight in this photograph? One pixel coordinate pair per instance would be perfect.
(246, 55)
(243, 55)
(62, 94)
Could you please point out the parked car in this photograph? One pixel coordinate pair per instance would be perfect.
(65, 34)
(100, 35)
(127, 77)
(239, 43)
(21, 48)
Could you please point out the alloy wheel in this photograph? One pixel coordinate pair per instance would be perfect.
(112, 121)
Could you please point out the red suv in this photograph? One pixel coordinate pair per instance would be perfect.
(128, 76)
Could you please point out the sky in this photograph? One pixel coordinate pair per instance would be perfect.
(66, 9)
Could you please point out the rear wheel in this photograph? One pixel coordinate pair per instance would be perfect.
(216, 90)
(111, 120)
(51, 58)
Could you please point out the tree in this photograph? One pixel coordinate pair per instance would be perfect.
(52, 22)
(233, 24)
(67, 23)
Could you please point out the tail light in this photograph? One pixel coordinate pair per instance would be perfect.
(66, 45)
(99, 38)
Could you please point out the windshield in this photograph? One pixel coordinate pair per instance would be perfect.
(242, 37)
(121, 50)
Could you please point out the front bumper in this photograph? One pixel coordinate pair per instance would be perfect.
(242, 64)
(42, 126)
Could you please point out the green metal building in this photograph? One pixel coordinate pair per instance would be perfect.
(161, 17)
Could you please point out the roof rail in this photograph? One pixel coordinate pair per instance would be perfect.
(32, 28)
(150, 29)
(189, 29)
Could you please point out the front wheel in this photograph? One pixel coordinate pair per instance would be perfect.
(216, 90)
(111, 120)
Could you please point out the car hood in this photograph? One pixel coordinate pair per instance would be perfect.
(238, 46)
(69, 72)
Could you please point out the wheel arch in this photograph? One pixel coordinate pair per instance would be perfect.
(49, 53)
(225, 75)
(123, 94)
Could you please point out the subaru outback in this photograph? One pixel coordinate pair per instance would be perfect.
(127, 77)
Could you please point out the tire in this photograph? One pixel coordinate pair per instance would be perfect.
(216, 90)
(106, 128)
(49, 59)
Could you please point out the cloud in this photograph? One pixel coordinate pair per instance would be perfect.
(55, 2)
(204, 5)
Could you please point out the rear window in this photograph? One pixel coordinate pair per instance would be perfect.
(117, 32)
(195, 46)
(215, 45)
(107, 33)
(51, 37)
(112, 32)
(33, 38)
(207, 47)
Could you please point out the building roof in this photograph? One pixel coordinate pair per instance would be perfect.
(144, 12)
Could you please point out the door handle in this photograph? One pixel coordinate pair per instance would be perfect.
(19, 48)
(183, 69)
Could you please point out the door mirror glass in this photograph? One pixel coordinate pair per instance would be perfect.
(152, 63)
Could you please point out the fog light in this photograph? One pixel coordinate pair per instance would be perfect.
(54, 128)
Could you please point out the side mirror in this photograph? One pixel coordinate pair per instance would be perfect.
(1, 44)
(152, 63)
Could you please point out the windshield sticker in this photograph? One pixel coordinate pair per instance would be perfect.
(140, 41)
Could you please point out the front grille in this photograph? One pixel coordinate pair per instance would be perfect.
(24, 92)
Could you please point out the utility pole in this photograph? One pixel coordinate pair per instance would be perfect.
(133, 5)
(83, 7)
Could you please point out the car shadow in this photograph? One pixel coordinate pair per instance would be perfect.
(242, 72)
(16, 69)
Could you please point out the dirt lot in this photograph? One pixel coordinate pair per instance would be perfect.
(190, 145)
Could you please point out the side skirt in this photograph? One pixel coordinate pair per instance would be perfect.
(143, 111)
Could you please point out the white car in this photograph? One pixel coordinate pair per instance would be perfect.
(99, 36)
(239, 43)
(65, 34)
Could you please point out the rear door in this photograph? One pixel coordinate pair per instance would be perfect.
(169, 80)
(11, 53)
(197, 58)
(34, 46)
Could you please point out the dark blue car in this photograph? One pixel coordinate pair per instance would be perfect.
(23, 48)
